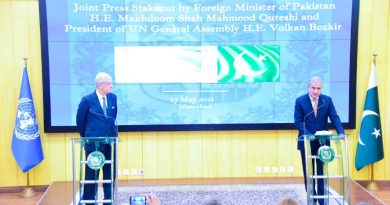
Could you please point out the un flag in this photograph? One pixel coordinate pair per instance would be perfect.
(26, 141)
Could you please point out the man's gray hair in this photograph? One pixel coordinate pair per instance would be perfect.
(102, 77)
(314, 79)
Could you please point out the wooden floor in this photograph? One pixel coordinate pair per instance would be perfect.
(380, 189)
(61, 192)
(13, 195)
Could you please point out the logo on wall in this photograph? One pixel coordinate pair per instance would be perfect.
(26, 127)
(95, 160)
(326, 154)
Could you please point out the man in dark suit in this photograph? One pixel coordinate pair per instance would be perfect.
(311, 114)
(96, 117)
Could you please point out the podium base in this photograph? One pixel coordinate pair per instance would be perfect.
(28, 192)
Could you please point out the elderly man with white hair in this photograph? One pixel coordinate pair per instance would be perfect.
(96, 117)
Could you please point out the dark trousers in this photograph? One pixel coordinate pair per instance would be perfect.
(90, 190)
(319, 190)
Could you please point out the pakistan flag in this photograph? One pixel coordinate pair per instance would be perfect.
(370, 145)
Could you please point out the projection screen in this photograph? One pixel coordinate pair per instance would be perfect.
(198, 65)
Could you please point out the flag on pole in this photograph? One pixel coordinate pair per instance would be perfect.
(26, 141)
(370, 145)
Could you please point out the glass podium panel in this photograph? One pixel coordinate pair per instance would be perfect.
(333, 154)
(93, 153)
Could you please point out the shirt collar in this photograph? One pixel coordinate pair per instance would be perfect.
(99, 96)
(311, 98)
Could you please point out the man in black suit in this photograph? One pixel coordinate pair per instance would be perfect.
(311, 114)
(96, 117)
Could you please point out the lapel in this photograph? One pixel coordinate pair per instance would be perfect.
(108, 96)
(321, 106)
(308, 104)
(96, 103)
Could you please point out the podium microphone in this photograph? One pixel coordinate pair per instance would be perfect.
(304, 118)
(115, 157)
(109, 117)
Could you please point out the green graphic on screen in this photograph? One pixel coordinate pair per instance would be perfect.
(259, 63)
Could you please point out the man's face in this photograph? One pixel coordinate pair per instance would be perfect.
(105, 87)
(315, 89)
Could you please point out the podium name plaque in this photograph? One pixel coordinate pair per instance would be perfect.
(95, 160)
(333, 153)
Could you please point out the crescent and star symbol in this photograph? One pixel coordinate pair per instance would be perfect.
(376, 131)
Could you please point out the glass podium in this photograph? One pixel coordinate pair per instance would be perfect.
(333, 153)
(95, 161)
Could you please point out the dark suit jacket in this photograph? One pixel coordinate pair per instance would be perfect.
(305, 120)
(90, 118)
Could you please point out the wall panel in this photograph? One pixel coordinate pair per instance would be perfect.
(209, 154)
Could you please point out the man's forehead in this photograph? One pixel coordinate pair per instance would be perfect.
(106, 82)
(316, 85)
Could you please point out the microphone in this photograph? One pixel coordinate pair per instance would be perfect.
(304, 118)
(109, 117)
(115, 157)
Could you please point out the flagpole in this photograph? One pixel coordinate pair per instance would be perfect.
(372, 185)
(27, 191)
(25, 58)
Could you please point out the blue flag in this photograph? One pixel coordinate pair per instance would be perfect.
(370, 145)
(26, 141)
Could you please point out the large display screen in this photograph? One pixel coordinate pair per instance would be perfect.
(198, 65)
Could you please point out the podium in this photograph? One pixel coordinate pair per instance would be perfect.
(333, 153)
(95, 160)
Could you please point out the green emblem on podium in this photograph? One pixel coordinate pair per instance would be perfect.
(326, 154)
(95, 160)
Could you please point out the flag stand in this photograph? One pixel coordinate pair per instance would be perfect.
(372, 185)
(28, 191)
